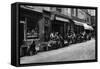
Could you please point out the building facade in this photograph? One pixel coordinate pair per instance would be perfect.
(48, 14)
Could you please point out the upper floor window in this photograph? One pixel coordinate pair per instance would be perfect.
(74, 12)
(58, 9)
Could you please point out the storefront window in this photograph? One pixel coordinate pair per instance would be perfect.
(32, 29)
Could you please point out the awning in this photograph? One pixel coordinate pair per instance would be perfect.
(78, 23)
(87, 27)
(31, 8)
(62, 19)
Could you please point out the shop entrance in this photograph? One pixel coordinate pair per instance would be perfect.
(58, 26)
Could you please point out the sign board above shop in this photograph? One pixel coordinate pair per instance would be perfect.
(62, 19)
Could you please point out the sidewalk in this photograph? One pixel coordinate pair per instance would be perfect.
(79, 51)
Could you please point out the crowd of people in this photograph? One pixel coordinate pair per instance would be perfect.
(57, 40)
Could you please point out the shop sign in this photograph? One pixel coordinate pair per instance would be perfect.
(62, 19)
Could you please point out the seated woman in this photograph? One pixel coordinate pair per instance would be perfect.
(32, 50)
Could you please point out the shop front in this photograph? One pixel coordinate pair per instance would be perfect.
(29, 29)
(62, 25)
(83, 30)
